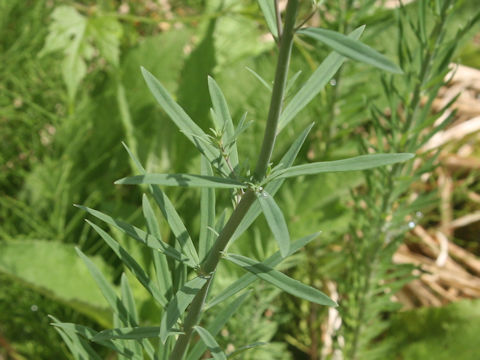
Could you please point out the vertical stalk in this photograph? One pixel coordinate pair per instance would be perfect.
(210, 264)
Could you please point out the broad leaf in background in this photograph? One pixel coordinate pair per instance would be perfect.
(74, 34)
(50, 268)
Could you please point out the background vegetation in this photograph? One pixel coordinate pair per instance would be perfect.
(71, 92)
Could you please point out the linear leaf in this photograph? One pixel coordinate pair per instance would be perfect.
(273, 186)
(352, 49)
(164, 277)
(178, 304)
(128, 333)
(268, 10)
(259, 78)
(315, 83)
(362, 162)
(106, 289)
(89, 333)
(80, 349)
(247, 279)
(185, 180)
(131, 264)
(221, 318)
(207, 213)
(191, 130)
(129, 303)
(276, 221)
(245, 348)
(220, 107)
(211, 343)
(280, 280)
(140, 236)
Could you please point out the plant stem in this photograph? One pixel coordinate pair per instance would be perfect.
(278, 90)
(210, 264)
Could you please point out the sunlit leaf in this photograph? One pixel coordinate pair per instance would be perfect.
(362, 162)
(280, 280)
(186, 180)
(351, 48)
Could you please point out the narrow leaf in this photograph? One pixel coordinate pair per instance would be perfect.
(211, 343)
(248, 279)
(350, 48)
(362, 162)
(273, 186)
(185, 180)
(245, 348)
(178, 304)
(129, 303)
(207, 213)
(106, 289)
(191, 130)
(315, 83)
(268, 10)
(220, 108)
(140, 236)
(275, 221)
(131, 264)
(281, 280)
(128, 333)
(220, 320)
(259, 78)
(164, 277)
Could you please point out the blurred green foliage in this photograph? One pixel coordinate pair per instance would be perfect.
(71, 91)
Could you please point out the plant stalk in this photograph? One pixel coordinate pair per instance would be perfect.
(210, 264)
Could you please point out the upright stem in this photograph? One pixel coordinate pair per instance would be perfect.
(215, 254)
(276, 101)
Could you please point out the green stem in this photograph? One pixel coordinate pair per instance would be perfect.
(210, 264)
(278, 91)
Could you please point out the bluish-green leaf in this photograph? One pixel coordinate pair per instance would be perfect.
(211, 343)
(164, 277)
(191, 130)
(259, 78)
(224, 118)
(207, 213)
(273, 186)
(280, 280)
(128, 333)
(186, 180)
(276, 221)
(140, 236)
(362, 162)
(247, 279)
(350, 48)
(178, 304)
(219, 321)
(315, 83)
(106, 289)
(268, 10)
(129, 303)
(131, 264)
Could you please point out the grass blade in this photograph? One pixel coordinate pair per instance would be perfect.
(140, 236)
(315, 83)
(362, 162)
(178, 305)
(220, 107)
(245, 348)
(276, 221)
(207, 214)
(247, 279)
(211, 343)
(131, 264)
(184, 180)
(129, 303)
(128, 333)
(281, 280)
(351, 48)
